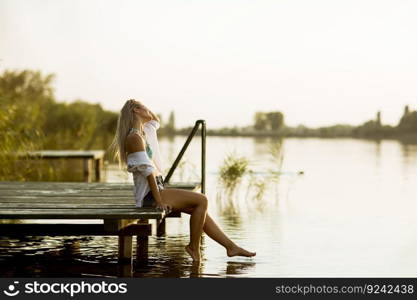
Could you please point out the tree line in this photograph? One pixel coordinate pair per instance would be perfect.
(272, 124)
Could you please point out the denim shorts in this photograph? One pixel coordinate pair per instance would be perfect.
(149, 200)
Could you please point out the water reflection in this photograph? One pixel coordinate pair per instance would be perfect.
(239, 268)
(409, 155)
(378, 145)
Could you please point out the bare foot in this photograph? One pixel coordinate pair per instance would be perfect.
(195, 255)
(238, 251)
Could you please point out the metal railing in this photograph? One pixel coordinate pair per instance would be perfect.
(203, 154)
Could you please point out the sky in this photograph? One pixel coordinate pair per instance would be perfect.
(320, 62)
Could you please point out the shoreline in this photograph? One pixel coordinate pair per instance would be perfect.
(406, 138)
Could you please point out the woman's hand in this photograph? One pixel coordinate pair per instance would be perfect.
(147, 113)
(162, 206)
(143, 112)
(158, 204)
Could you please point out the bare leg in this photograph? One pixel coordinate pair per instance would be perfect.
(196, 229)
(214, 232)
(195, 204)
(184, 200)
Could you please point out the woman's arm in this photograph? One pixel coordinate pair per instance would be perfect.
(156, 194)
(154, 188)
(135, 143)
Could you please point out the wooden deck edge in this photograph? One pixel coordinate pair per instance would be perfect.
(19, 230)
(174, 214)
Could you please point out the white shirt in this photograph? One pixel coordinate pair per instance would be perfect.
(142, 166)
(150, 129)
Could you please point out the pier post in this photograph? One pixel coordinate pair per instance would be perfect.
(87, 166)
(125, 241)
(125, 248)
(125, 270)
(142, 243)
(98, 168)
(160, 227)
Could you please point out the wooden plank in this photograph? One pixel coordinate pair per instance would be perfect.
(60, 205)
(82, 213)
(63, 192)
(75, 201)
(68, 200)
(92, 200)
(78, 186)
(95, 154)
(65, 205)
(47, 185)
(114, 225)
(72, 184)
(29, 193)
(4, 194)
(15, 230)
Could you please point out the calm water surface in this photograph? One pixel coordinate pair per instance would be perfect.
(351, 213)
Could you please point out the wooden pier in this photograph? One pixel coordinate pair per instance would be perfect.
(92, 159)
(112, 203)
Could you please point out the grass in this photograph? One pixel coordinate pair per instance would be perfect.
(232, 170)
(236, 167)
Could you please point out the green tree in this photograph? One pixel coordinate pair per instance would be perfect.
(408, 123)
(31, 119)
(275, 120)
(271, 121)
(24, 96)
(170, 126)
(261, 121)
(74, 125)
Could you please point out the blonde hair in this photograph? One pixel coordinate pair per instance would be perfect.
(127, 118)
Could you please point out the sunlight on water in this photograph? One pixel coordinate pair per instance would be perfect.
(350, 213)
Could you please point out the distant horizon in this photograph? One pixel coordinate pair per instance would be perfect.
(223, 60)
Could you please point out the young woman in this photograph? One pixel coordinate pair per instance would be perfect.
(135, 144)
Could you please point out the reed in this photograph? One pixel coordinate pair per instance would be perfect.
(235, 169)
(232, 171)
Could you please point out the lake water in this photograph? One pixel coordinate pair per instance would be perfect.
(351, 212)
